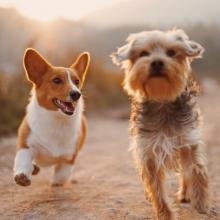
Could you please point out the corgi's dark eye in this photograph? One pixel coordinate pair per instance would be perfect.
(76, 82)
(144, 54)
(57, 80)
(171, 53)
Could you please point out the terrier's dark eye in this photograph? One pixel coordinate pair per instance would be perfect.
(57, 80)
(76, 82)
(144, 54)
(171, 53)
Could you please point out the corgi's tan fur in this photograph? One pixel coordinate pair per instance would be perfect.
(54, 128)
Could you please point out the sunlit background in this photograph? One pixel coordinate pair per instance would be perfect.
(62, 29)
(49, 10)
(105, 182)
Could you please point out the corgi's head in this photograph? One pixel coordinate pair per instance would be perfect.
(56, 88)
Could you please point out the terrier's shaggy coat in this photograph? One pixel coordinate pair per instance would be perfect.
(165, 119)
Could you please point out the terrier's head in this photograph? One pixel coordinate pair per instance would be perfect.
(157, 64)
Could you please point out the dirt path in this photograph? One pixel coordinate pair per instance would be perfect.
(106, 184)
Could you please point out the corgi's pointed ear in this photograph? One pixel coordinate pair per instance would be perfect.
(81, 65)
(35, 65)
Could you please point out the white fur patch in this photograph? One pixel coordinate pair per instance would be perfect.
(61, 173)
(53, 134)
(164, 146)
(73, 86)
(23, 162)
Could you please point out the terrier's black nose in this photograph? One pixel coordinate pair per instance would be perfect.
(157, 65)
(75, 95)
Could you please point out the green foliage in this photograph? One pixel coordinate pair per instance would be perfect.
(14, 92)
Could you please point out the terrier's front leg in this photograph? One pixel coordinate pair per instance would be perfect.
(183, 193)
(61, 174)
(153, 179)
(23, 167)
(185, 175)
(193, 164)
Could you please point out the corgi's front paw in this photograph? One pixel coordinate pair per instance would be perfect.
(22, 179)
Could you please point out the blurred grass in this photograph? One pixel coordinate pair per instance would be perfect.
(103, 89)
(14, 92)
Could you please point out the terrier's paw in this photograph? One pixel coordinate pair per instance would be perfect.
(180, 198)
(73, 181)
(36, 170)
(147, 196)
(56, 184)
(22, 179)
(202, 207)
(184, 200)
(165, 214)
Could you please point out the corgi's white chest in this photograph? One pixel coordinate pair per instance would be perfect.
(53, 134)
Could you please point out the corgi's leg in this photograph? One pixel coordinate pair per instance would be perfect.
(23, 167)
(61, 174)
(36, 169)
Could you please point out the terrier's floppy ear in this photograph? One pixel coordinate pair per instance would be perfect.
(124, 53)
(35, 65)
(191, 48)
(81, 65)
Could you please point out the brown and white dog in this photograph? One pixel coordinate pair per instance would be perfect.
(54, 128)
(165, 118)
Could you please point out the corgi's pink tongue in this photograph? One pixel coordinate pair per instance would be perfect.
(66, 107)
(69, 107)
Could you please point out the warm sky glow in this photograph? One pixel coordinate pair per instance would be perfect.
(45, 10)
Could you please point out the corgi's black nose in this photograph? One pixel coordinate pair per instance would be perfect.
(75, 95)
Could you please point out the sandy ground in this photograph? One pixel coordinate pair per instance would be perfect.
(105, 182)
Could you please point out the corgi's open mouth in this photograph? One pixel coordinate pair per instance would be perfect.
(65, 107)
